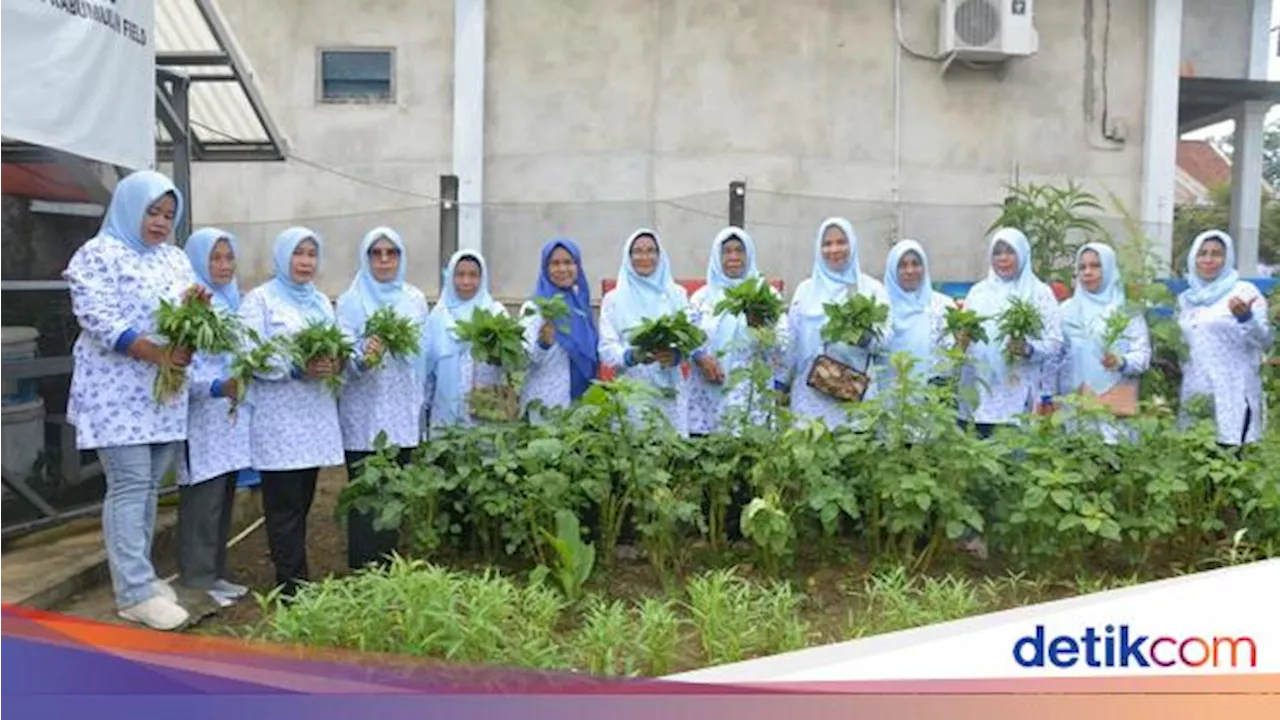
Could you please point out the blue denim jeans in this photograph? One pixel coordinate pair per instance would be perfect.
(133, 475)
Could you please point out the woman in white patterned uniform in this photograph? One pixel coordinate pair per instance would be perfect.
(295, 416)
(563, 355)
(451, 372)
(1225, 322)
(389, 397)
(730, 346)
(917, 311)
(836, 273)
(1006, 392)
(217, 443)
(1082, 362)
(117, 280)
(645, 290)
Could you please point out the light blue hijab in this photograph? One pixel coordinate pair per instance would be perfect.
(306, 297)
(730, 330)
(824, 285)
(1201, 292)
(990, 297)
(1084, 321)
(199, 249)
(129, 203)
(909, 310)
(637, 297)
(443, 349)
(368, 292)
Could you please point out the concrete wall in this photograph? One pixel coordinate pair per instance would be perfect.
(1215, 37)
(606, 115)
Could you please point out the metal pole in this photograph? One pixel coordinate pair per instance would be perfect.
(738, 204)
(180, 87)
(448, 219)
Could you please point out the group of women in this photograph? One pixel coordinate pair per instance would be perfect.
(291, 424)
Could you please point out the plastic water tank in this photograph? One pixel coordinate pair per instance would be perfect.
(22, 437)
(20, 343)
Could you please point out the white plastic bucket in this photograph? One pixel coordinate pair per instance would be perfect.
(23, 437)
(19, 343)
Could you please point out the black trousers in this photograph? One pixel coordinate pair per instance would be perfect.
(364, 544)
(286, 502)
(204, 524)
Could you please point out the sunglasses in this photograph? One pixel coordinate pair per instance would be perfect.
(384, 254)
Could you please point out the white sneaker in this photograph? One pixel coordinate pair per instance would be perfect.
(164, 590)
(157, 613)
(229, 589)
(223, 601)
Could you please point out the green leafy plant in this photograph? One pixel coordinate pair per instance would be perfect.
(1020, 321)
(551, 309)
(192, 323)
(1115, 325)
(858, 320)
(963, 322)
(754, 299)
(668, 332)
(249, 363)
(574, 558)
(496, 339)
(400, 336)
(321, 339)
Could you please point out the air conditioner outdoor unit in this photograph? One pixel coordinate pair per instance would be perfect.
(987, 30)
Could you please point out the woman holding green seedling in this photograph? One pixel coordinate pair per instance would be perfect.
(733, 328)
(836, 283)
(645, 291)
(1225, 322)
(1105, 348)
(383, 317)
(218, 442)
(560, 329)
(295, 428)
(451, 372)
(119, 280)
(1023, 332)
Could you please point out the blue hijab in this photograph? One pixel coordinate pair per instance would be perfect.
(441, 342)
(638, 297)
(580, 340)
(306, 297)
(1085, 317)
(730, 330)
(129, 203)
(370, 293)
(990, 297)
(199, 249)
(909, 310)
(824, 285)
(1201, 292)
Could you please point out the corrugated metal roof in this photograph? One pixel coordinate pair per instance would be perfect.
(192, 39)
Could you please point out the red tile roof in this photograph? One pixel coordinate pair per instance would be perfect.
(1203, 162)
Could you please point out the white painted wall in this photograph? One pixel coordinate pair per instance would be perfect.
(605, 115)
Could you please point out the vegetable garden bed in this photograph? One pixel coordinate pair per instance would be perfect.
(709, 550)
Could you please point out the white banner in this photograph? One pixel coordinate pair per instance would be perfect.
(1222, 622)
(79, 76)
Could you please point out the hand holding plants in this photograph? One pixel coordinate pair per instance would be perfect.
(547, 333)
(711, 369)
(373, 349)
(1240, 308)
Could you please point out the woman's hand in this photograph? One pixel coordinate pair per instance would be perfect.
(666, 357)
(149, 352)
(547, 333)
(373, 349)
(1018, 348)
(320, 368)
(711, 369)
(963, 340)
(1111, 362)
(199, 292)
(231, 388)
(1240, 308)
